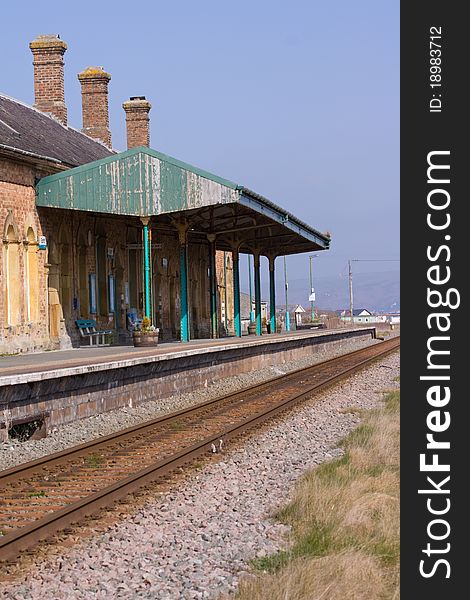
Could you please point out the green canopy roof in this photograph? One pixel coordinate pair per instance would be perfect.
(143, 182)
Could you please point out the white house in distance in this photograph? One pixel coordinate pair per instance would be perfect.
(392, 318)
(360, 316)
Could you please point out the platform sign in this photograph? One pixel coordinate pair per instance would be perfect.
(312, 297)
(42, 242)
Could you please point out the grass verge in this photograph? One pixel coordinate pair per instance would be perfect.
(345, 522)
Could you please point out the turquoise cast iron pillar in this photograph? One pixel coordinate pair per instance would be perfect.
(252, 314)
(147, 277)
(236, 293)
(272, 295)
(184, 313)
(225, 295)
(257, 294)
(213, 281)
(286, 285)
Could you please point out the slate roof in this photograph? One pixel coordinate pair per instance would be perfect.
(27, 130)
(358, 311)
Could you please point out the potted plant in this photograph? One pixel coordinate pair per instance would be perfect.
(145, 334)
(264, 325)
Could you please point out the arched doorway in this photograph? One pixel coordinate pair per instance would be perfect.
(32, 276)
(173, 301)
(13, 280)
(157, 293)
(120, 311)
(134, 246)
(65, 275)
(102, 271)
(194, 298)
(83, 295)
(55, 308)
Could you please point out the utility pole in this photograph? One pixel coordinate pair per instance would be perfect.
(350, 293)
(312, 308)
(286, 288)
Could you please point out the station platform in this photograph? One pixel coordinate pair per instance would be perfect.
(64, 385)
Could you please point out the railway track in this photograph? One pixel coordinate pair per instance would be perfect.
(44, 496)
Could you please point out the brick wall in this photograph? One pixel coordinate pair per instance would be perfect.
(17, 208)
(64, 269)
(71, 244)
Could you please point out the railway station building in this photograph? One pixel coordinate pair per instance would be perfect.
(92, 233)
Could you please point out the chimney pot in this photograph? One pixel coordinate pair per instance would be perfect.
(137, 110)
(95, 111)
(48, 61)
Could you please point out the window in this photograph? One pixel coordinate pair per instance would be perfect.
(82, 280)
(112, 294)
(101, 260)
(92, 297)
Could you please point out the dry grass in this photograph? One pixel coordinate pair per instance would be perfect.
(345, 523)
(350, 575)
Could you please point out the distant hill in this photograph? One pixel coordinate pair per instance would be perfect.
(374, 291)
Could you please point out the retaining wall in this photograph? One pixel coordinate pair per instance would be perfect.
(65, 395)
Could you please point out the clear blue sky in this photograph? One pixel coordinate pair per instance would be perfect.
(298, 101)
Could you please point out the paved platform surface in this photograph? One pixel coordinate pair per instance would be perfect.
(86, 359)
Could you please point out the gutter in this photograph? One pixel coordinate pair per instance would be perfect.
(31, 154)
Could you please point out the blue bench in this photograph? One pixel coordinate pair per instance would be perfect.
(89, 333)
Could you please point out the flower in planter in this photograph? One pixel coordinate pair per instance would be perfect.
(145, 334)
(145, 326)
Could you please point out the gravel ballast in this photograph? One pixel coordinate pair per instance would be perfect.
(196, 540)
(13, 452)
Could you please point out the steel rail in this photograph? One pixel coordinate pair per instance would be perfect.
(25, 537)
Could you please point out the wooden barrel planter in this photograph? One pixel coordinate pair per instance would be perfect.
(145, 340)
(252, 328)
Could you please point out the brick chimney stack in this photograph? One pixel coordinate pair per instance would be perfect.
(94, 82)
(137, 121)
(48, 61)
